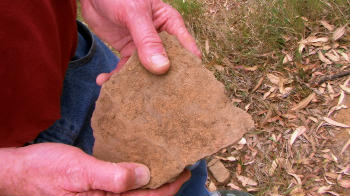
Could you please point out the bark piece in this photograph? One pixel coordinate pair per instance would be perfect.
(219, 171)
(165, 122)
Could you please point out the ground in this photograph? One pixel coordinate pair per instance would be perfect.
(274, 58)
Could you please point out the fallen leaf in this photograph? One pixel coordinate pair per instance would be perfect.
(254, 68)
(330, 91)
(297, 177)
(346, 81)
(207, 46)
(335, 123)
(344, 55)
(345, 147)
(313, 119)
(298, 131)
(320, 39)
(323, 189)
(335, 159)
(273, 79)
(233, 186)
(212, 186)
(252, 189)
(338, 33)
(301, 48)
(287, 59)
(331, 175)
(273, 168)
(243, 141)
(344, 183)
(328, 26)
(304, 102)
(268, 93)
(246, 108)
(332, 193)
(333, 57)
(336, 108)
(246, 181)
(346, 89)
(341, 98)
(219, 68)
(297, 191)
(258, 84)
(323, 58)
(326, 47)
(234, 100)
(231, 158)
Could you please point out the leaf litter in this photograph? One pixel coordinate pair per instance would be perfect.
(292, 150)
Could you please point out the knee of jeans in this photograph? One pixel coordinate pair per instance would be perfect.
(194, 166)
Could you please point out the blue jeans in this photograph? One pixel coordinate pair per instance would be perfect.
(80, 92)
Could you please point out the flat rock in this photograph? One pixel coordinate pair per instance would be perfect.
(166, 122)
(219, 171)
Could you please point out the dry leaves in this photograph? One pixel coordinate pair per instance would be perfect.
(338, 33)
(328, 26)
(344, 183)
(345, 88)
(273, 79)
(297, 191)
(323, 58)
(246, 181)
(304, 102)
(335, 123)
(298, 132)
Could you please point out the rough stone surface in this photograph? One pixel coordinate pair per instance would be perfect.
(219, 171)
(166, 122)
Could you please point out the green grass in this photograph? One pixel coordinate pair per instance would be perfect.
(246, 34)
(79, 16)
(187, 9)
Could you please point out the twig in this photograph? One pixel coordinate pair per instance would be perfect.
(333, 77)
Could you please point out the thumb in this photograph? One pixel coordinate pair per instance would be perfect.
(149, 45)
(117, 177)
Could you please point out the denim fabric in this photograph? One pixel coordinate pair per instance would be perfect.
(80, 92)
(196, 185)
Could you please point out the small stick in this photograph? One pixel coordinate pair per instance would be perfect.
(333, 77)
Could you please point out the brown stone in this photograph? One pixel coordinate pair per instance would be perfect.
(219, 171)
(166, 122)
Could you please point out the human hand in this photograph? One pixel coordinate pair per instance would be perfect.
(134, 24)
(56, 169)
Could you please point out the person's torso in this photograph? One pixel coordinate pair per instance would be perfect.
(38, 38)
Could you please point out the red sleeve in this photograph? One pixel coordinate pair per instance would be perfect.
(38, 38)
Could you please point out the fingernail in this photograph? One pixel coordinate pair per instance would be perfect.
(159, 61)
(142, 176)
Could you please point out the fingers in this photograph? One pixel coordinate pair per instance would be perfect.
(149, 45)
(116, 177)
(170, 20)
(166, 190)
(104, 77)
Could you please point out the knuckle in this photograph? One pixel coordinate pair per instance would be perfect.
(74, 174)
(149, 39)
(124, 178)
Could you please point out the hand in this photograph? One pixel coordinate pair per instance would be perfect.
(134, 24)
(57, 169)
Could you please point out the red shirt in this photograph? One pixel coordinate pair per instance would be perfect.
(37, 39)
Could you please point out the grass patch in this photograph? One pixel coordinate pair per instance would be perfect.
(248, 31)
